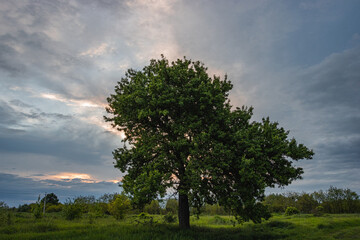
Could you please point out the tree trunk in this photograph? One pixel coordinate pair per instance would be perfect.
(184, 212)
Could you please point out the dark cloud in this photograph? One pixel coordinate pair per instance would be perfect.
(58, 135)
(332, 83)
(13, 117)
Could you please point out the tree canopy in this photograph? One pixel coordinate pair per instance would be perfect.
(50, 198)
(181, 133)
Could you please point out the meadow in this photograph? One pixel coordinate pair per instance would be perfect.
(299, 226)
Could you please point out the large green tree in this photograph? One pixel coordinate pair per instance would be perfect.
(181, 133)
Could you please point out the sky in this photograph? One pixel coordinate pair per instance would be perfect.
(297, 62)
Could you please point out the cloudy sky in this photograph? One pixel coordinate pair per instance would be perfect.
(295, 61)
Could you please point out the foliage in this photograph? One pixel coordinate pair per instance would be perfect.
(334, 200)
(24, 208)
(5, 214)
(214, 209)
(119, 206)
(172, 206)
(144, 219)
(183, 134)
(107, 197)
(50, 198)
(337, 200)
(72, 210)
(153, 207)
(84, 202)
(291, 211)
(98, 209)
(318, 211)
(217, 220)
(306, 203)
(169, 218)
(54, 208)
(3, 206)
(37, 209)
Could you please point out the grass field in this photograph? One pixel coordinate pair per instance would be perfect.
(53, 226)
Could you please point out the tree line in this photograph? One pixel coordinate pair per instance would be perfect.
(334, 200)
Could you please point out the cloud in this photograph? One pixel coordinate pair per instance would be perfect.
(17, 190)
(333, 82)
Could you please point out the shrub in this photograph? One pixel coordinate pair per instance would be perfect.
(153, 207)
(71, 210)
(119, 207)
(319, 211)
(169, 218)
(219, 220)
(37, 211)
(5, 218)
(291, 211)
(54, 208)
(24, 208)
(145, 219)
(98, 209)
(5, 215)
(172, 206)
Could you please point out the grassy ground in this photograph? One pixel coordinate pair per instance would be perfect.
(53, 226)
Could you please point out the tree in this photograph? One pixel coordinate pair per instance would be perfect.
(182, 134)
(306, 203)
(50, 198)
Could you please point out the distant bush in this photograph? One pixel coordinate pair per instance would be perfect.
(71, 210)
(37, 209)
(5, 214)
(214, 209)
(24, 208)
(153, 207)
(172, 206)
(219, 220)
(169, 218)
(144, 219)
(37, 212)
(85, 202)
(291, 211)
(54, 208)
(318, 211)
(98, 209)
(119, 207)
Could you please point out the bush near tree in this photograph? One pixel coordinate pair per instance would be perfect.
(172, 206)
(119, 206)
(153, 207)
(291, 211)
(72, 210)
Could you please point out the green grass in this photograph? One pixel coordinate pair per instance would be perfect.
(53, 226)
